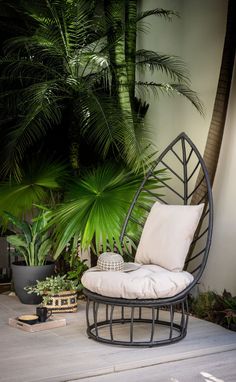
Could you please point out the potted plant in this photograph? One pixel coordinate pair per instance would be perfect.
(33, 245)
(59, 293)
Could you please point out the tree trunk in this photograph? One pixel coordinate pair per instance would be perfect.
(130, 44)
(115, 15)
(74, 138)
(216, 130)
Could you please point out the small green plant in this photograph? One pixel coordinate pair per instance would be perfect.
(203, 305)
(70, 262)
(225, 308)
(51, 286)
(220, 309)
(76, 272)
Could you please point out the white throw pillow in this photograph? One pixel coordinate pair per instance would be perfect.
(167, 235)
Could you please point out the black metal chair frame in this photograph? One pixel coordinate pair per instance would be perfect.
(133, 312)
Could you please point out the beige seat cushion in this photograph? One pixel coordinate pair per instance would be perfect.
(147, 282)
(167, 235)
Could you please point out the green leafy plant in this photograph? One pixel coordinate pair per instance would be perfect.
(75, 273)
(31, 241)
(71, 262)
(52, 286)
(203, 305)
(225, 308)
(214, 307)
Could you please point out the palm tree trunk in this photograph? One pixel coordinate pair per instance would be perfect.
(130, 44)
(115, 15)
(74, 140)
(115, 12)
(216, 130)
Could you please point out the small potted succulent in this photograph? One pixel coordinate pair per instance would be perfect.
(59, 293)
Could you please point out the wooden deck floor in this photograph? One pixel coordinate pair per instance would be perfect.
(65, 354)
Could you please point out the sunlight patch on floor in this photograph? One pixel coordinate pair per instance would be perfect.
(210, 378)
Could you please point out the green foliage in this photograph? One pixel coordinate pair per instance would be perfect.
(51, 286)
(226, 308)
(75, 273)
(68, 87)
(203, 305)
(72, 264)
(71, 69)
(95, 208)
(61, 70)
(214, 307)
(31, 241)
(41, 181)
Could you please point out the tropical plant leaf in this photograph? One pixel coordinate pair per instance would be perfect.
(168, 14)
(95, 208)
(114, 131)
(44, 250)
(33, 240)
(39, 179)
(17, 240)
(172, 89)
(42, 114)
(21, 246)
(173, 66)
(20, 225)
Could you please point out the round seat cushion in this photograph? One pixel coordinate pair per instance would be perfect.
(147, 282)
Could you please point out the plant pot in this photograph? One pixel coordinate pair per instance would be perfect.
(24, 275)
(63, 302)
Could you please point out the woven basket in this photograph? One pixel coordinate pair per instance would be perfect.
(63, 302)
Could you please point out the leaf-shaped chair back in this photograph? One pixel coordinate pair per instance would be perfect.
(186, 182)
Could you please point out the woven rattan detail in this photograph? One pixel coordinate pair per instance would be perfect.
(109, 261)
(63, 302)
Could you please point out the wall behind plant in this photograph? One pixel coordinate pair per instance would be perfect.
(198, 38)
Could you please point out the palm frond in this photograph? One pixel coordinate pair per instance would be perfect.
(108, 128)
(27, 70)
(42, 112)
(172, 89)
(168, 14)
(173, 66)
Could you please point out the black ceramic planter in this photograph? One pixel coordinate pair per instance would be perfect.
(24, 275)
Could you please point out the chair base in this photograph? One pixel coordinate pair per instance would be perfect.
(146, 323)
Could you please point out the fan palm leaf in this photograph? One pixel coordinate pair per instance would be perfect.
(95, 208)
(38, 181)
